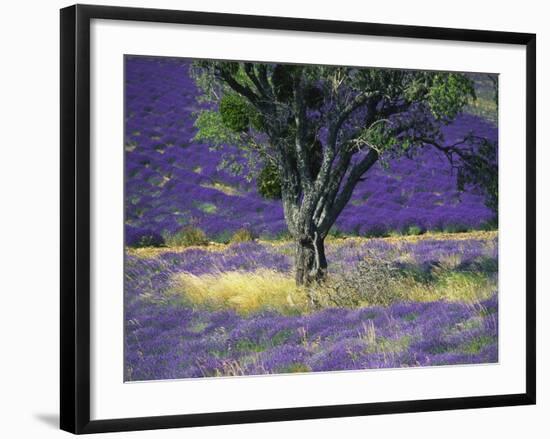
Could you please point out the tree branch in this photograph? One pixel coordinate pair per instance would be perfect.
(251, 74)
(347, 190)
(239, 88)
(300, 139)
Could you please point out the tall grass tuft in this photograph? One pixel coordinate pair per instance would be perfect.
(188, 236)
(243, 292)
(242, 235)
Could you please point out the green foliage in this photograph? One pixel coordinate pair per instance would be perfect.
(475, 345)
(148, 240)
(414, 230)
(491, 224)
(207, 207)
(222, 237)
(380, 138)
(235, 112)
(282, 236)
(268, 182)
(449, 93)
(211, 129)
(417, 88)
(481, 169)
(249, 346)
(336, 233)
(188, 236)
(378, 231)
(455, 228)
(295, 368)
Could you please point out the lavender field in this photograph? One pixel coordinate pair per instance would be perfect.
(210, 265)
(173, 181)
(443, 311)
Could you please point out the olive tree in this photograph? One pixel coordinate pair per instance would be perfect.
(319, 129)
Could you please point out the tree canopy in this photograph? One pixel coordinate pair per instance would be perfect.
(317, 129)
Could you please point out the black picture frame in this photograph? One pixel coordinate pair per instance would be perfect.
(75, 217)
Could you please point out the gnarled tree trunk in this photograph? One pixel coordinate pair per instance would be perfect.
(310, 261)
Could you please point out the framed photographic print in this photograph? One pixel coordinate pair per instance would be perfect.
(268, 218)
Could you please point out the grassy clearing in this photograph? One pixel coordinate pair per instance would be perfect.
(265, 290)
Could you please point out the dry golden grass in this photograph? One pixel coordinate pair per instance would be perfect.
(267, 290)
(152, 252)
(222, 187)
(449, 286)
(243, 292)
(436, 236)
(249, 292)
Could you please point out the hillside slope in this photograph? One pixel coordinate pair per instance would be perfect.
(172, 181)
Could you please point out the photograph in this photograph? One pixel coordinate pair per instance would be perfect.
(270, 220)
(299, 218)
